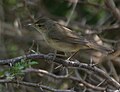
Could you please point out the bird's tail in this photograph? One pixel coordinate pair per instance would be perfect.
(100, 48)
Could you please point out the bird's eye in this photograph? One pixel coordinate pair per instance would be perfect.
(40, 25)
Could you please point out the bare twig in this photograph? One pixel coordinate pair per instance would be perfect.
(72, 11)
(72, 64)
(37, 85)
(86, 84)
(112, 8)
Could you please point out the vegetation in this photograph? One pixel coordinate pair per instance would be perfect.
(28, 64)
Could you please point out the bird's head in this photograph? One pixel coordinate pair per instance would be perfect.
(41, 22)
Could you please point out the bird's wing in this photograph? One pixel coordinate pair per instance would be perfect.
(66, 35)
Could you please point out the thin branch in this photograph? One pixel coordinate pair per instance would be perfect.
(89, 4)
(72, 64)
(65, 77)
(112, 8)
(37, 85)
(72, 11)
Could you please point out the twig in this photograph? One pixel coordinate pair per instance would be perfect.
(112, 8)
(86, 84)
(72, 64)
(37, 85)
(72, 11)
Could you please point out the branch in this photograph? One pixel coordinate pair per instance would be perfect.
(112, 8)
(34, 85)
(72, 64)
(68, 77)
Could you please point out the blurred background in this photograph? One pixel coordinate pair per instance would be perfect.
(17, 38)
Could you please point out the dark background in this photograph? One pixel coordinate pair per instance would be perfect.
(17, 38)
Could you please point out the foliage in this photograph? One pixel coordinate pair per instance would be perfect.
(16, 70)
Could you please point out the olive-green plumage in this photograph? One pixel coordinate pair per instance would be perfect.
(63, 39)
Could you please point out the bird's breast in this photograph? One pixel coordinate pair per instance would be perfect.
(63, 46)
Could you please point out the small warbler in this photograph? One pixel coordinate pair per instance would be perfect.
(63, 39)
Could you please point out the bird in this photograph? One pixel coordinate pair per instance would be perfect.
(64, 39)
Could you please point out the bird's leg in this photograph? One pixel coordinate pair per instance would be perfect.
(68, 59)
(91, 62)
